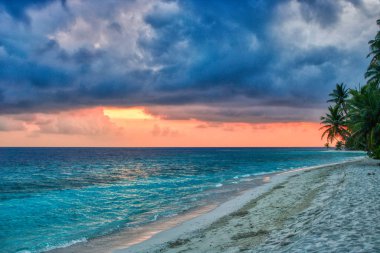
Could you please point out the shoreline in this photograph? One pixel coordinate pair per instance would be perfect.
(188, 227)
(126, 238)
(156, 234)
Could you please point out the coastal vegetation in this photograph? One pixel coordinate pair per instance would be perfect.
(353, 118)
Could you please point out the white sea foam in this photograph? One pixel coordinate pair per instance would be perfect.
(218, 185)
(64, 244)
(262, 173)
(246, 179)
(344, 151)
(155, 217)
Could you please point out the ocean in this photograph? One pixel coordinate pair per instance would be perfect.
(55, 197)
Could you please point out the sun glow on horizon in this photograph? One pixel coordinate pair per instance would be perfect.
(136, 127)
(133, 113)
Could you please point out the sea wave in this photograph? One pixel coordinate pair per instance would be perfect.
(64, 244)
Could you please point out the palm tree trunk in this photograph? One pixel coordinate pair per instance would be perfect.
(371, 139)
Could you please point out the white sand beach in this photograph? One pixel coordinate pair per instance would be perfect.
(332, 208)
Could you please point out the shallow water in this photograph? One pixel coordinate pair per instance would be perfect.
(54, 197)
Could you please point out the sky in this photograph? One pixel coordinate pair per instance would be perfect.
(176, 73)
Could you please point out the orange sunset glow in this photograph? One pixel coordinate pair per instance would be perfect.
(127, 113)
(134, 126)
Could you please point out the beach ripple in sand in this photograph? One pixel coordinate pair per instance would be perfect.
(344, 216)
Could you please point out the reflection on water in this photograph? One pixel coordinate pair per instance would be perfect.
(266, 179)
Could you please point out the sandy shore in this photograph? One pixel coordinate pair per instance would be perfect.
(332, 208)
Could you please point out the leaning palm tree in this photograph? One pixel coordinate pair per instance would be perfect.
(339, 96)
(334, 125)
(373, 71)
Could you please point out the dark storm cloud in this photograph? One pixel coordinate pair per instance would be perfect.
(325, 12)
(17, 8)
(236, 60)
(115, 27)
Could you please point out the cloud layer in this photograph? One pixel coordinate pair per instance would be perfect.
(90, 122)
(233, 61)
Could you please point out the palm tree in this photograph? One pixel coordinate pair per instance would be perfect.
(364, 115)
(334, 125)
(339, 96)
(373, 71)
(354, 121)
(339, 145)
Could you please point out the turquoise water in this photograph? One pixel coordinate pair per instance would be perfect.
(54, 197)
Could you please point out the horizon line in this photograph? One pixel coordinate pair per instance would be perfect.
(162, 147)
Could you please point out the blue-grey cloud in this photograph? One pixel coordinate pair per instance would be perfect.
(18, 9)
(325, 12)
(211, 60)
